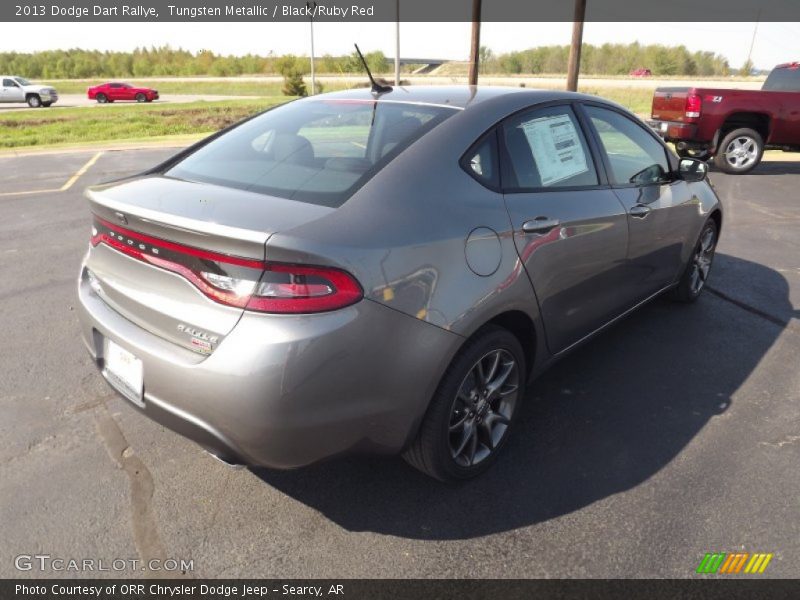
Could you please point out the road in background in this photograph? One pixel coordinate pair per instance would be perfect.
(80, 100)
(674, 434)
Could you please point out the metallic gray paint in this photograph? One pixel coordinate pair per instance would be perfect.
(289, 390)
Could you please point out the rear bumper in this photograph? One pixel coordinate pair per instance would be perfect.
(285, 391)
(673, 131)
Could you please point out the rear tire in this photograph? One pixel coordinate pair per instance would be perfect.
(693, 280)
(473, 409)
(34, 101)
(101, 98)
(740, 151)
(141, 97)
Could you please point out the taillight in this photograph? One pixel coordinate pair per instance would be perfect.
(693, 104)
(234, 281)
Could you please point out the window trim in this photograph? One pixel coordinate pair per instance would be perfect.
(599, 167)
(464, 161)
(604, 155)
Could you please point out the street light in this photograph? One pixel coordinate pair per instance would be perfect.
(312, 6)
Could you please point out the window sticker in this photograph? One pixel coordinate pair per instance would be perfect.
(556, 148)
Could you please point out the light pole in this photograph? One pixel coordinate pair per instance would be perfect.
(397, 47)
(311, 8)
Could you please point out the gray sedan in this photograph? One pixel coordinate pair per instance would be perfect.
(384, 272)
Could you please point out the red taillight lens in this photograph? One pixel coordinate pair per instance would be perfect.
(693, 105)
(242, 282)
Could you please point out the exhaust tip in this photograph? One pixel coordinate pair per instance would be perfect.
(228, 462)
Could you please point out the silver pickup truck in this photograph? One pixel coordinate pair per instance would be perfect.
(19, 89)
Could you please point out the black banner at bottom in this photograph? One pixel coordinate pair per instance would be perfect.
(398, 589)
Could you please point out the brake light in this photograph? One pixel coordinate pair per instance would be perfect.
(234, 281)
(693, 104)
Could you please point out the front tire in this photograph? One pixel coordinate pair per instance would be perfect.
(34, 101)
(693, 280)
(473, 408)
(740, 151)
(141, 97)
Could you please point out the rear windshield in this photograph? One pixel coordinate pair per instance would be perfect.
(785, 79)
(318, 151)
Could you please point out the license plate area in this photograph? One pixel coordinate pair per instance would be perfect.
(123, 371)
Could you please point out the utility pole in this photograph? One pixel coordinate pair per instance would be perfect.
(312, 7)
(748, 62)
(397, 47)
(575, 48)
(474, 57)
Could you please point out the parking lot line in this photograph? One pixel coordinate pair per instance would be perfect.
(68, 184)
(80, 172)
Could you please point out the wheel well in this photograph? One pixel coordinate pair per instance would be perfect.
(757, 121)
(521, 325)
(717, 216)
(30, 94)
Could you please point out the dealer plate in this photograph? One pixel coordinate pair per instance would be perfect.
(124, 371)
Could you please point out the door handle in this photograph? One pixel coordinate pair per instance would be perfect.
(640, 211)
(540, 225)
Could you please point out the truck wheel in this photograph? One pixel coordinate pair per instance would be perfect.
(34, 101)
(740, 151)
(102, 98)
(140, 97)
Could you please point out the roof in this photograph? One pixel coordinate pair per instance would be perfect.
(456, 96)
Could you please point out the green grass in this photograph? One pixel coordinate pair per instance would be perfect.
(123, 122)
(211, 88)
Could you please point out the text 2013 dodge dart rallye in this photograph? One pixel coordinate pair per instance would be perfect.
(733, 127)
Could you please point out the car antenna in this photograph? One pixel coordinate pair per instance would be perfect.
(377, 88)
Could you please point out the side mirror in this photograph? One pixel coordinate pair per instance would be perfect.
(691, 169)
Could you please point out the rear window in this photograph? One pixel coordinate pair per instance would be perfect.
(785, 79)
(318, 151)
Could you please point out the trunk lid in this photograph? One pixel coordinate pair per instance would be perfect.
(669, 103)
(153, 236)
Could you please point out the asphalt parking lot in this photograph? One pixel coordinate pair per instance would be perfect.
(674, 434)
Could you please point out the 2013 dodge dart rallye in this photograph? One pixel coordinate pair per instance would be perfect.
(732, 127)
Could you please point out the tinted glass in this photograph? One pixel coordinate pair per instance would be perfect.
(481, 161)
(636, 157)
(22, 81)
(786, 79)
(546, 148)
(317, 151)
(9, 83)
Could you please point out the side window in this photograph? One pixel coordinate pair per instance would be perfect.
(9, 83)
(115, 85)
(545, 148)
(481, 162)
(635, 156)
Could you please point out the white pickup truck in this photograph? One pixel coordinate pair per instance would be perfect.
(19, 89)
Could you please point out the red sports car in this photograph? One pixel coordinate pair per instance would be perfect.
(109, 92)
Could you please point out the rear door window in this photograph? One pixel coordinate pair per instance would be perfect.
(317, 151)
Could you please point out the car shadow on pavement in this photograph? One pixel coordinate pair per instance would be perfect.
(603, 420)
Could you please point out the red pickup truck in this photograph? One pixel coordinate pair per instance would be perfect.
(732, 127)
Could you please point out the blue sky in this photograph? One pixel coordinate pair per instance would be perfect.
(774, 43)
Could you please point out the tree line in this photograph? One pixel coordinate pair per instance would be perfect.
(608, 59)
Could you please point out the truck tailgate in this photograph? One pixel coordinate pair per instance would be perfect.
(669, 103)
